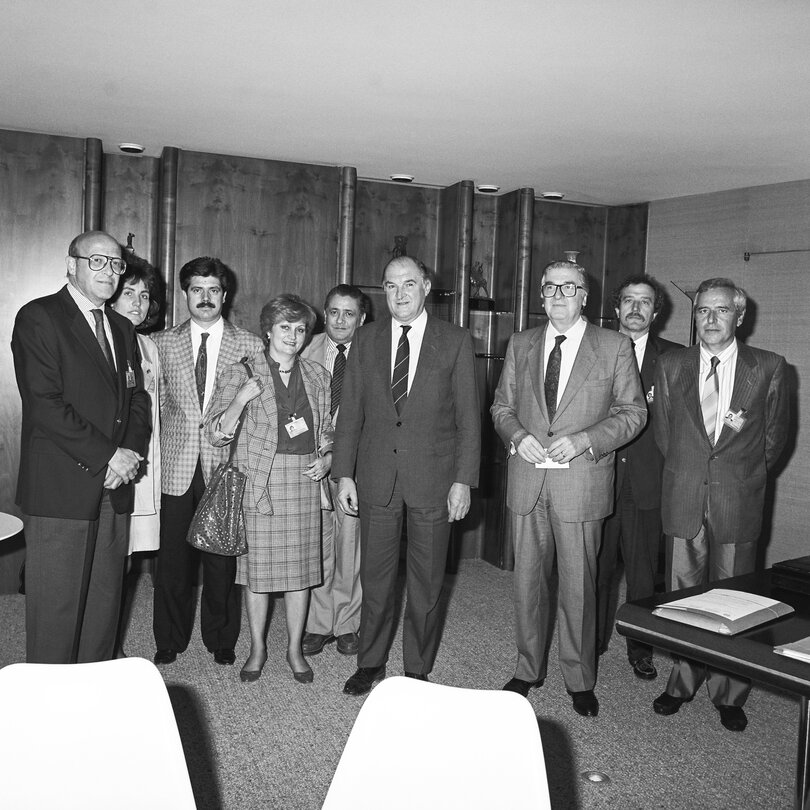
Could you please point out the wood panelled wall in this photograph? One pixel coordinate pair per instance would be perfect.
(282, 227)
(700, 237)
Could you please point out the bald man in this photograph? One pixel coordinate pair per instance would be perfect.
(85, 428)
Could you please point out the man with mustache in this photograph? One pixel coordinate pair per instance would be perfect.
(635, 525)
(191, 356)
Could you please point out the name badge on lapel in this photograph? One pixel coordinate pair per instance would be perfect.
(296, 426)
(130, 377)
(736, 421)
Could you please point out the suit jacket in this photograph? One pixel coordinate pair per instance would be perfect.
(75, 412)
(641, 459)
(435, 442)
(181, 439)
(258, 436)
(730, 475)
(603, 396)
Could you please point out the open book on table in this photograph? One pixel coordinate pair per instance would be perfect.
(723, 611)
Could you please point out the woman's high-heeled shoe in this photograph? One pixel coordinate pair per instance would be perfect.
(251, 675)
(303, 676)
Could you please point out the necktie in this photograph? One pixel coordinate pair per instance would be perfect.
(553, 376)
(337, 376)
(711, 397)
(399, 379)
(200, 369)
(101, 337)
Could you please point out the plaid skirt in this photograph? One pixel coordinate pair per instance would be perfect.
(284, 549)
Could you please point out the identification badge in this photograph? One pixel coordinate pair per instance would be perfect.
(295, 427)
(548, 464)
(130, 377)
(736, 421)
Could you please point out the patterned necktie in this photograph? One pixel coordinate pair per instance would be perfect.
(553, 376)
(201, 368)
(399, 379)
(711, 397)
(101, 337)
(337, 376)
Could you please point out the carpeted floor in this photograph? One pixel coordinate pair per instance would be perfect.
(276, 743)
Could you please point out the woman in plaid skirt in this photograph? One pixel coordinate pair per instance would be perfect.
(284, 446)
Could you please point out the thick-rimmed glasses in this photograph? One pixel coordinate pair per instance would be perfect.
(569, 289)
(98, 262)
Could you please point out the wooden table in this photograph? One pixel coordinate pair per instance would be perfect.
(749, 654)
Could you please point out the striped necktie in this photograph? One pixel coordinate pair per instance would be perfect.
(101, 337)
(399, 378)
(711, 398)
(338, 370)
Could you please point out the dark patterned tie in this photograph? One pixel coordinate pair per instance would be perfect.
(553, 376)
(201, 368)
(399, 379)
(338, 371)
(711, 398)
(101, 337)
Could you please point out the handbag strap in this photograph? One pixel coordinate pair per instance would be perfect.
(235, 440)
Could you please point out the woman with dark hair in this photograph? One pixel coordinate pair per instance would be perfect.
(284, 445)
(140, 299)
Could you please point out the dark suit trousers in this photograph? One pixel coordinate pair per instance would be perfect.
(698, 561)
(428, 538)
(73, 578)
(177, 563)
(638, 533)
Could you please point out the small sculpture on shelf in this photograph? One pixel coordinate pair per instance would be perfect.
(478, 282)
(400, 247)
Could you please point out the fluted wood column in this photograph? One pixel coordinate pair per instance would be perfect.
(523, 270)
(92, 184)
(167, 223)
(461, 307)
(348, 194)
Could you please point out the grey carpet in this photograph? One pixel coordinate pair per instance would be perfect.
(276, 743)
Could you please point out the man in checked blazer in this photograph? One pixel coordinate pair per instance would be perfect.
(719, 442)
(334, 607)
(568, 396)
(191, 356)
(418, 456)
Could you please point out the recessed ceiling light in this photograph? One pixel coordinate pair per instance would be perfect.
(552, 195)
(131, 148)
(488, 188)
(402, 178)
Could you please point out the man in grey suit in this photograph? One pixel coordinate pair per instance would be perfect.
(192, 355)
(568, 396)
(334, 607)
(409, 436)
(720, 415)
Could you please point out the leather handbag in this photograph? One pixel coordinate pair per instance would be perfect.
(218, 525)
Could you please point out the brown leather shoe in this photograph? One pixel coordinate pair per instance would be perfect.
(348, 643)
(313, 643)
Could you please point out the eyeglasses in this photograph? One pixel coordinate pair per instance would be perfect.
(98, 262)
(569, 289)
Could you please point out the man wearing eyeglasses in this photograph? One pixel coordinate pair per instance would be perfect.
(568, 397)
(85, 427)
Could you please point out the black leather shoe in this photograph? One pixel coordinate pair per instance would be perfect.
(667, 704)
(348, 644)
(644, 668)
(520, 686)
(733, 717)
(585, 703)
(417, 676)
(225, 656)
(313, 643)
(362, 680)
(165, 656)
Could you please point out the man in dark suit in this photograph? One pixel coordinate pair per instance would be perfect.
(568, 396)
(85, 428)
(635, 524)
(721, 414)
(192, 355)
(409, 435)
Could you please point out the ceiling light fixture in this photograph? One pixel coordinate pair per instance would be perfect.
(488, 188)
(402, 178)
(131, 148)
(552, 195)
